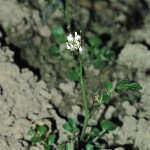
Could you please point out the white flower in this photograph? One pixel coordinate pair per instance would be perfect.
(70, 38)
(77, 37)
(80, 50)
(69, 46)
(74, 43)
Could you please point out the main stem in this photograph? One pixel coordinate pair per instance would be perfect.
(66, 13)
(85, 103)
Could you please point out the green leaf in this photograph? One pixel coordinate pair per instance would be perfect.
(95, 42)
(58, 32)
(107, 125)
(106, 98)
(69, 146)
(100, 97)
(72, 74)
(107, 53)
(122, 85)
(36, 139)
(109, 85)
(31, 131)
(72, 123)
(95, 130)
(98, 145)
(47, 147)
(135, 86)
(42, 130)
(98, 63)
(51, 139)
(89, 146)
(60, 40)
(67, 126)
(54, 51)
(126, 84)
(95, 51)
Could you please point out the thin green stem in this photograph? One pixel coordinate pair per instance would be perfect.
(67, 14)
(85, 103)
(100, 135)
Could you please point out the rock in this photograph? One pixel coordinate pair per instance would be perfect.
(37, 41)
(119, 148)
(56, 97)
(44, 31)
(13, 144)
(94, 71)
(36, 17)
(135, 56)
(67, 88)
(4, 143)
(126, 134)
(37, 147)
(6, 55)
(142, 135)
(8, 10)
(129, 126)
(59, 122)
(75, 111)
(130, 110)
(143, 33)
(109, 112)
(45, 94)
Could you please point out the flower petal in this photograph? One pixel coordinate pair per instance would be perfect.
(77, 38)
(80, 50)
(68, 46)
(70, 38)
(76, 34)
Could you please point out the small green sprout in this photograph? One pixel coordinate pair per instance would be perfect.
(41, 133)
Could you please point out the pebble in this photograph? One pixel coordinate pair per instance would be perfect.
(44, 31)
